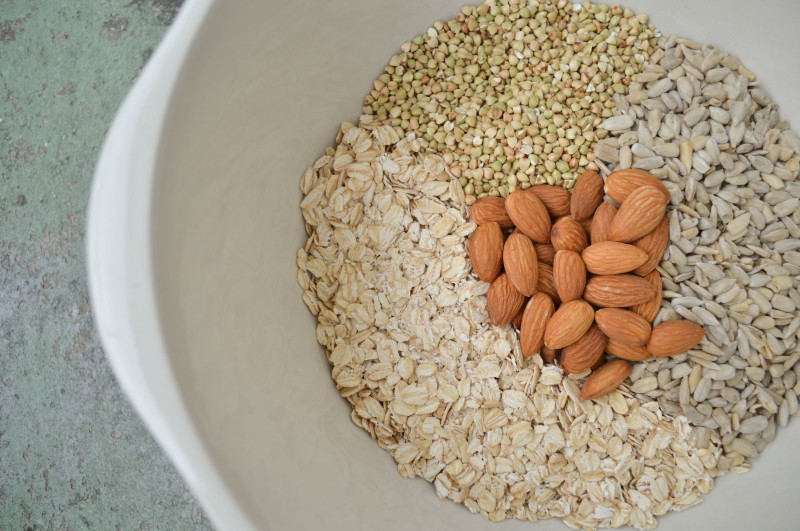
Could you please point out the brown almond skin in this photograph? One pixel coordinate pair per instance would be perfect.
(601, 222)
(485, 251)
(612, 258)
(584, 353)
(548, 355)
(529, 215)
(569, 275)
(654, 243)
(600, 362)
(570, 322)
(503, 301)
(638, 215)
(568, 235)
(519, 261)
(538, 311)
(627, 352)
(586, 225)
(490, 209)
(605, 379)
(674, 337)
(516, 322)
(621, 183)
(556, 199)
(587, 194)
(618, 291)
(546, 284)
(624, 326)
(545, 252)
(649, 309)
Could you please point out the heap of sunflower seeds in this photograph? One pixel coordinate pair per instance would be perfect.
(510, 92)
(696, 118)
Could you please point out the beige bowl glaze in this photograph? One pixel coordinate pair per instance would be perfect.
(193, 229)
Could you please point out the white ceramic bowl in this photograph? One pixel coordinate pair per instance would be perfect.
(193, 229)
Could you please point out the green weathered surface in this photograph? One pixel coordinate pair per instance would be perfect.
(73, 454)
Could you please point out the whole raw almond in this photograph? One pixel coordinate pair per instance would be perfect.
(674, 337)
(569, 275)
(649, 309)
(605, 379)
(570, 322)
(600, 361)
(612, 258)
(519, 261)
(548, 355)
(538, 311)
(490, 209)
(545, 282)
(567, 234)
(624, 326)
(639, 214)
(516, 322)
(587, 195)
(601, 222)
(653, 243)
(503, 301)
(584, 353)
(627, 352)
(529, 215)
(586, 225)
(621, 183)
(618, 291)
(485, 251)
(545, 253)
(556, 199)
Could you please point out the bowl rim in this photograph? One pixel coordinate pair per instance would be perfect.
(120, 269)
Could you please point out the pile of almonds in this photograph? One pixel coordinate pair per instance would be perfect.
(576, 275)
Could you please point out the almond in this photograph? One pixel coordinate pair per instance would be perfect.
(519, 261)
(568, 324)
(516, 322)
(605, 379)
(586, 225)
(621, 183)
(490, 209)
(485, 251)
(624, 326)
(584, 353)
(548, 355)
(649, 309)
(587, 195)
(627, 352)
(545, 253)
(503, 301)
(612, 258)
(639, 214)
(545, 283)
(600, 361)
(654, 243)
(601, 222)
(618, 291)
(567, 234)
(556, 199)
(529, 215)
(674, 337)
(569, 275)
(538, 311)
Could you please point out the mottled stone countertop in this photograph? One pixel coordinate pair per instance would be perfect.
(73, 453)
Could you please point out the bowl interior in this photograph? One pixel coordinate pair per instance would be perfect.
(259, 97)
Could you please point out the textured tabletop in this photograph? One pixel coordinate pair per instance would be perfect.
(73, 453)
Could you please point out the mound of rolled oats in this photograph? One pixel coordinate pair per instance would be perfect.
(406, 330)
